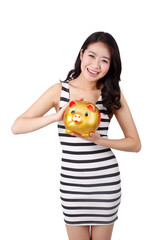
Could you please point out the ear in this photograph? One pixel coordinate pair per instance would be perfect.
(72, 103)
(81, 54)
(91, 107)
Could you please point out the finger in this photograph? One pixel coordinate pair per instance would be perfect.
(65, 107)
(80, 99)
(75, 134)
(92, 134)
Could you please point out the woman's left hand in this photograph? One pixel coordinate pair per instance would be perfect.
(93, 136)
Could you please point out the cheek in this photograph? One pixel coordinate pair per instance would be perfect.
(83, 66)
(105, 68)
(86, 61)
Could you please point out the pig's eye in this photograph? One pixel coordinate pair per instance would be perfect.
(86, 114)
(73, 111)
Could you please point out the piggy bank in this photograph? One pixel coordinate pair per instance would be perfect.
(81, 117)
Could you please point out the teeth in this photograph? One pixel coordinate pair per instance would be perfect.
(95, 73)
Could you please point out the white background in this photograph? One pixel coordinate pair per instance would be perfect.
(39, 43)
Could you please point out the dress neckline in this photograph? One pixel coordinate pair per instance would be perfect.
(99, 98)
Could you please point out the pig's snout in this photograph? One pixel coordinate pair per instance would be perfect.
(77, 118)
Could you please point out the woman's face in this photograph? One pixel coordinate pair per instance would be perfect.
(95, 61)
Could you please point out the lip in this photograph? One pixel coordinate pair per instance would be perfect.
(92, 74)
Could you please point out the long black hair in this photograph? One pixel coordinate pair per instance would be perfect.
(111, 89)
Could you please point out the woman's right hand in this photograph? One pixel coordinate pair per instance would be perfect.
(60, 113)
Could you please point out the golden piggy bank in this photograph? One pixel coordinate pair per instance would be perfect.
(81, 117)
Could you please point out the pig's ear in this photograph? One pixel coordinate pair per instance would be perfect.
(72, 104)
(91, 107)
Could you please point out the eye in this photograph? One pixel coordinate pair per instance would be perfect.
(91, 56)
(104, 61)
(73, 111)
(86, 114)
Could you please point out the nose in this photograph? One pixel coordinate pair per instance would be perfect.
(77, 118)
(96, 64)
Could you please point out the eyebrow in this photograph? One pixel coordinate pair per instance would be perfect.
(96, 54)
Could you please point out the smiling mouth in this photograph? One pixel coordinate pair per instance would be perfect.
(92, 72)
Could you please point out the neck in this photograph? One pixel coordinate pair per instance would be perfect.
(87, 85)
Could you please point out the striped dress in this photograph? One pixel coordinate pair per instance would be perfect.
(90, 179)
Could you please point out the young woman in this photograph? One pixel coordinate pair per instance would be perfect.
(90, 178)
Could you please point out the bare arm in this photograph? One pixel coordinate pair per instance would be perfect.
(33, 118)
(131, 141)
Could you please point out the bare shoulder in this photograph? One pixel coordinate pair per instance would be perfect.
(56, 87)
(52, 94)
(49, 99)
(56, 95)
(56, 92)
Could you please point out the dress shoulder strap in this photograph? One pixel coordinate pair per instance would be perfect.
(64, 94)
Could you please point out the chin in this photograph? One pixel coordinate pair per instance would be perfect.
(91, 79)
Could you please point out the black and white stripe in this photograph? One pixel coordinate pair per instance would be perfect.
(90, 185)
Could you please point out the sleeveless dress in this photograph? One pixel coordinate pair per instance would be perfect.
(90, 179)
